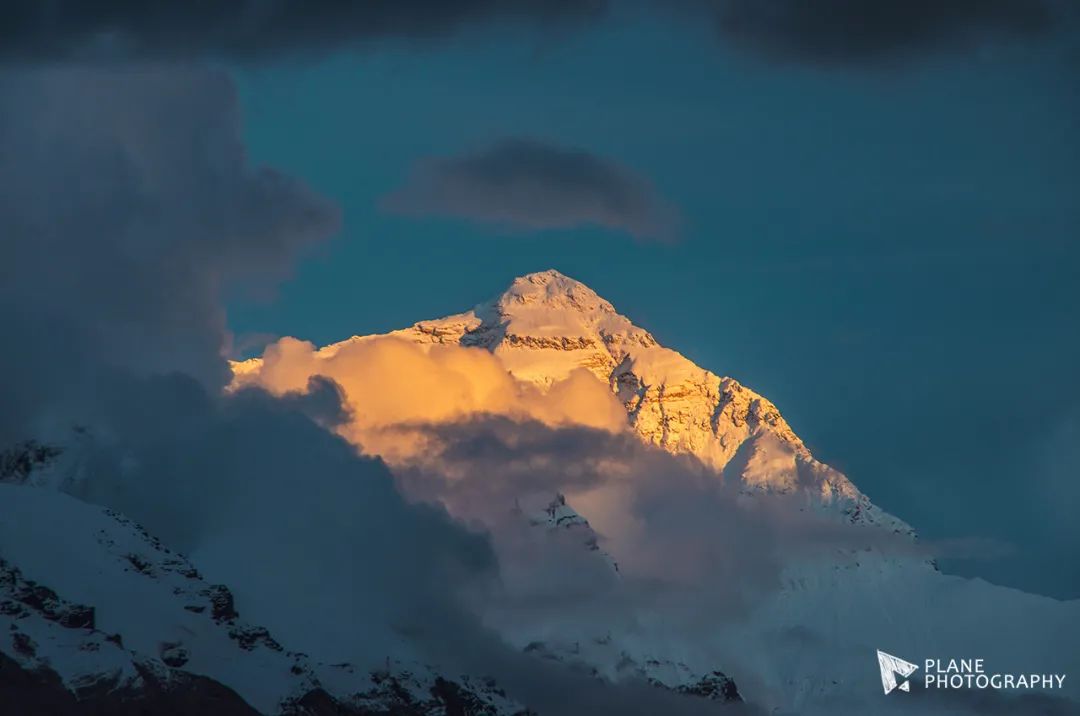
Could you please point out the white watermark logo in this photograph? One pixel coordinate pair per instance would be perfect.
(958, 674)
(891, 666)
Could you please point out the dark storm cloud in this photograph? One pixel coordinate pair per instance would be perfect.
(127, 209)
(33, 30)
(323, 402)
(527, 184)
(839, 32)
(127, 206)
(833, 32)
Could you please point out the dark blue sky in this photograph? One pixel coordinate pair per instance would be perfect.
(890, 253)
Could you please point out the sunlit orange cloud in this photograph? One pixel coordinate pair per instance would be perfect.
(390, 385)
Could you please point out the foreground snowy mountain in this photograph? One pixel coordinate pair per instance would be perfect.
(100, 617)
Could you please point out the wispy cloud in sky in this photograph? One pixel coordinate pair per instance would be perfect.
(531, 185)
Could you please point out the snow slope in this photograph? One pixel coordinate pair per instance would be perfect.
(89, 596)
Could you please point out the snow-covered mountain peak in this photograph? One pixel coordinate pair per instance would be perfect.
(550, 309)
(546, 325)
(554, 291)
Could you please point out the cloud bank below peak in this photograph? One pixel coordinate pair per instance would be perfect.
(524, 184)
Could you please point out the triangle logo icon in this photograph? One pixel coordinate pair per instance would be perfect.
(891, 667)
